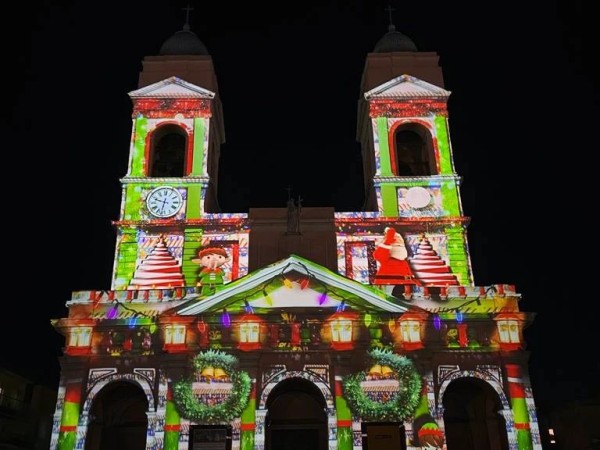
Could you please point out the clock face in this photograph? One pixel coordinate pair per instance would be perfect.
(164, 201)
(418, 197)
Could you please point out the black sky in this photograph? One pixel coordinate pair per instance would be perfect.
(523, 124)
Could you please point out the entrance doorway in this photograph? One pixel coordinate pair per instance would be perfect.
(296, 417)
(472, 416)
(118, 418)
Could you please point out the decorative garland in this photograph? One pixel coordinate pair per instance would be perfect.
(401, 406)
(231, 408)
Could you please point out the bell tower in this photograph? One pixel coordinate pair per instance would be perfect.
(184, 56)
(169, 193)
(402, 126)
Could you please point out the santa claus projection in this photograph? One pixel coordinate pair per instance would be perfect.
(392, 256)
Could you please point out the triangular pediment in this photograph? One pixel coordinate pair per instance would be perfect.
(406, 86)
(293, 283)
(172, 88)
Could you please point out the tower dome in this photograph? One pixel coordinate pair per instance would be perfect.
(394, 41)
(183, 42)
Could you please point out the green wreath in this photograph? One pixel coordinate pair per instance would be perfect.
(401, 406)
(231, 408)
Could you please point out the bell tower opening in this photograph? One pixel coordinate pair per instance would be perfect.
(167, 153)
(296, 417)
(413, 156)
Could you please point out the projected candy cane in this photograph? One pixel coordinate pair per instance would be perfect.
(248, 424)
(70, 416)
(519, 406)
(172, 423)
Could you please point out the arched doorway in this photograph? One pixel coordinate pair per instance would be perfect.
(296, 417)
(118, 418)
(472, 416)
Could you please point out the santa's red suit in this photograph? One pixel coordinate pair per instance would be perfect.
(392, 270)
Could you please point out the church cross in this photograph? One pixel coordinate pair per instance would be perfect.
(389, 9)
(187, 10)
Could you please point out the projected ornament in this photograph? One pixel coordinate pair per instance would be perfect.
(418, 197)
(164, 201)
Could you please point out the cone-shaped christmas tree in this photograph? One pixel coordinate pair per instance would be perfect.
(429, 268)
(158, 270)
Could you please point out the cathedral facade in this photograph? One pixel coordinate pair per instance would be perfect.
(294, 327)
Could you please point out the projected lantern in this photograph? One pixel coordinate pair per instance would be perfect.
(341, 326)
(509, 330)
(174, 331)
(80, 337)
(249, 334)
(411, 326)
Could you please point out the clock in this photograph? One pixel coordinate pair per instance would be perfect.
(418, 197)
(164, 201)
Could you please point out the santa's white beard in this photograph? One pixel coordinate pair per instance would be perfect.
(398, 252)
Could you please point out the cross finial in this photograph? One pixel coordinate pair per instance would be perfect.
(187, 10)
(389, 9)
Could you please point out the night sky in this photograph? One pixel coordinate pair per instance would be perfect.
(523, 126)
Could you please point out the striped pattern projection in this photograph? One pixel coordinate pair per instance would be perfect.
(344, 417)
(519, 407)
(172, 424)
(248, 424)
(70, 417)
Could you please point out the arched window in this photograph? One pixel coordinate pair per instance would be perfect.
(167, 152)
(413, 156)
